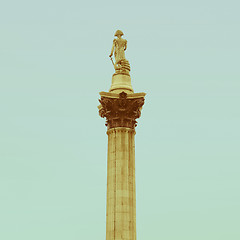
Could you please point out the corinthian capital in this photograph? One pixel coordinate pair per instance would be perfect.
(121, 110)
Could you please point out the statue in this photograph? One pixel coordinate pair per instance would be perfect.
(119, 47)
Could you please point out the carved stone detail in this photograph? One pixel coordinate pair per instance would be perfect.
(122, 111)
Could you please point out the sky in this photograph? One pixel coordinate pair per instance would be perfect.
(53, 144)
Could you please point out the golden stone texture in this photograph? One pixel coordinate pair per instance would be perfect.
(121, 110)
(121, 107)
(121, 82)
(121, 196)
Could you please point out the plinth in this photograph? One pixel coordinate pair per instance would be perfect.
(121, 107)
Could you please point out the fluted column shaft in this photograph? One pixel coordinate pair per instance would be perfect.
(121, 194)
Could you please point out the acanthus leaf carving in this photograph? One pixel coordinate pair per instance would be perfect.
(122, 111)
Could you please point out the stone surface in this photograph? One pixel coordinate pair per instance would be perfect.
(121, 110)
(121, 195)
(121, 82)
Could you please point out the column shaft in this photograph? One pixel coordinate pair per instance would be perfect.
(121, 195)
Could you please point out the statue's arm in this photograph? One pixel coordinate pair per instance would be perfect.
(125, 46)
(113, 46)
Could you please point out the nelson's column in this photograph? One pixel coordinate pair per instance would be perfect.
(121, 107)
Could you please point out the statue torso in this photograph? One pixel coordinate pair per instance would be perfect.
(120, 43)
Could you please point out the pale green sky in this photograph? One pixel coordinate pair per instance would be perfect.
(54, 62)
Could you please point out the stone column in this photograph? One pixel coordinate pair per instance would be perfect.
(121, 111)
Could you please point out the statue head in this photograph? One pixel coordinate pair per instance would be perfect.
(118, 32)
